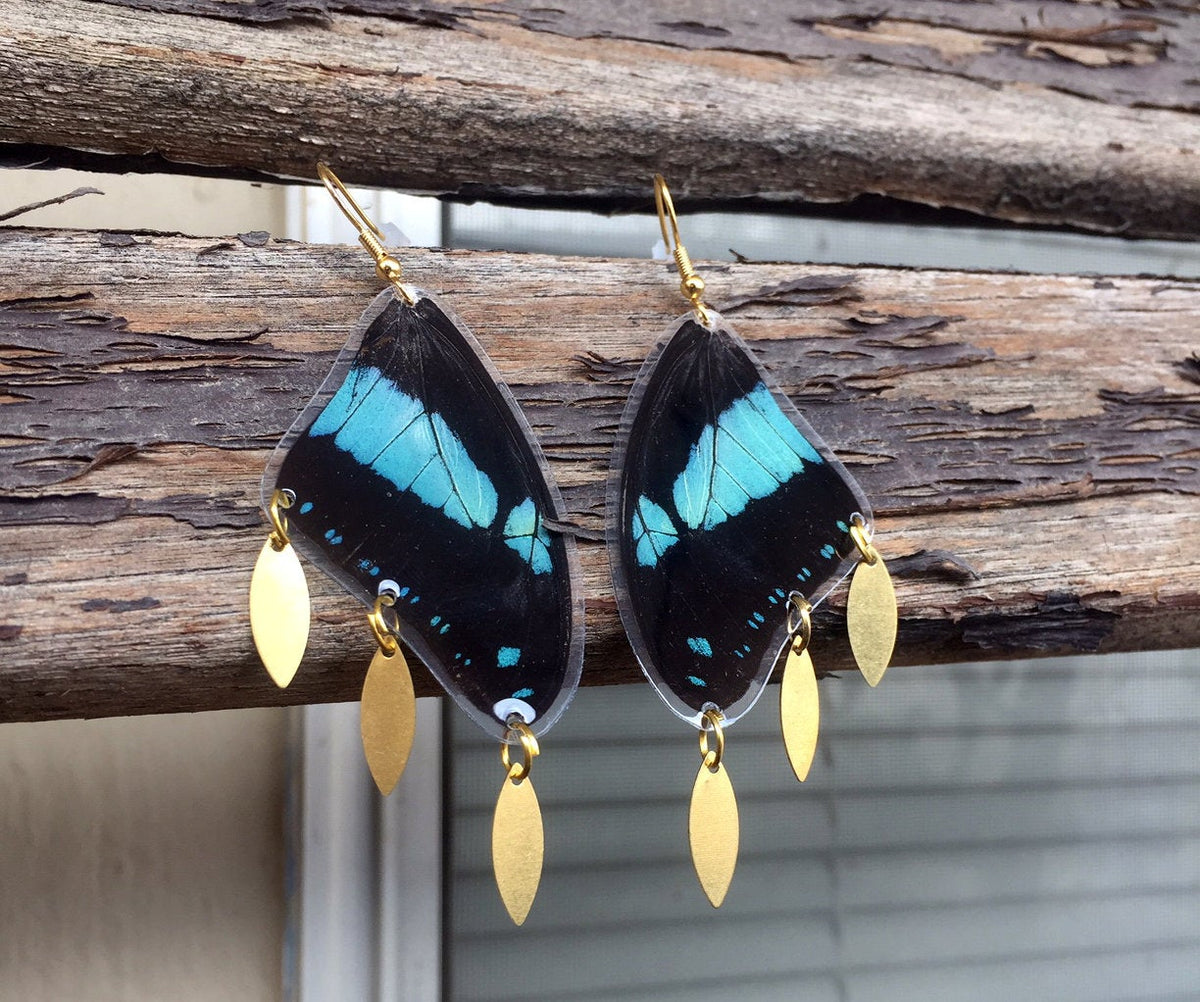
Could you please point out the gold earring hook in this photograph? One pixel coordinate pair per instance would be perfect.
(369, 235)
(690, 283)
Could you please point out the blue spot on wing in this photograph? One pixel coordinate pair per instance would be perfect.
(524, 532)
(700, 645)
(697, 681)
(653, 532)
(522, 694)
(306, 507)
(750, 451)
(506, 657)
(391, 432)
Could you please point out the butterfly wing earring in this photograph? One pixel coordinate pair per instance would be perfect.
(413, 480)
(729, 519)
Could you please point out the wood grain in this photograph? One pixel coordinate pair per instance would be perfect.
(1055, 113)
(1031, 445)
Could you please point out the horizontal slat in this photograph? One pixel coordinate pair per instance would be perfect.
(1001, 929)
(574, 901)
(1017, 110)
(1145, 691)
(1155, 974)
(1158, 973)
(947, 875)
(773, 945)
(733, 948)
(648, 832)
(799, 986)
(142, 406)
(987, 819)
(1114, 976)
(794, 823)
(862, 884)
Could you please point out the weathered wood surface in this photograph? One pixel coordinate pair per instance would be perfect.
(1043, 432)
(1050, 112)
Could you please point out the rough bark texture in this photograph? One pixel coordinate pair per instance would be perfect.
(1031, 445)
(1056, 113)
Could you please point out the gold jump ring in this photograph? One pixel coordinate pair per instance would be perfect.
(384, 636)
(711, 723)
(517, 771)
(858, 533)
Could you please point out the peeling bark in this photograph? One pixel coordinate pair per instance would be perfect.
(1141, 58)
(1050, 113)
(1029, 443)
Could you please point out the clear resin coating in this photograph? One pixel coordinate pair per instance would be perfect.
(721, 502)
(414, 472)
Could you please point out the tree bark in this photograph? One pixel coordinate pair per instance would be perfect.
(1054, 113)
(1029, 444)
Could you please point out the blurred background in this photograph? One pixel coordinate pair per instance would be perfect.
(1017, 830)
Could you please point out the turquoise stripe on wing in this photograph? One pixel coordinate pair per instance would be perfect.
(393, 433)
(749, 452)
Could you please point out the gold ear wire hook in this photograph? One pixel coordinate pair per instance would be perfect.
(690, 283)
(369, 235)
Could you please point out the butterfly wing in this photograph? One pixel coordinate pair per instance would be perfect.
(413, 470)
(722, 502)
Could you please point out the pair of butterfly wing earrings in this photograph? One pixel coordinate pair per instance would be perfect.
(414, 481)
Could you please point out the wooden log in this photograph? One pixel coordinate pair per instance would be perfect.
(1049, 112)
(1029, 442)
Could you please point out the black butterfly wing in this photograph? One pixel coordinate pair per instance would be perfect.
(722, 502)
(414, 471)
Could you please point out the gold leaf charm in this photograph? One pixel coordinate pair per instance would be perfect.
(279, 611)
(713, 817)
(871, 618)
(518, 842)
(387, 717)
(799, 711)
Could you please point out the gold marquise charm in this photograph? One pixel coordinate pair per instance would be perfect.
(799, 711)
(799, 704)
(387, 717)
(388, 711)
(279, 607)
(871, 610)
(713, 828)
(518, 843)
